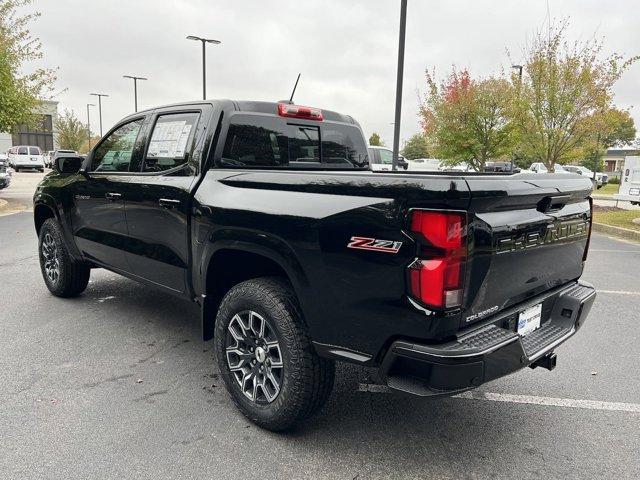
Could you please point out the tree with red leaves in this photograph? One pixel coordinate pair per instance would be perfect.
(468, 120)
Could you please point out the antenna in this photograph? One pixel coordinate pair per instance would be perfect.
(294, 88)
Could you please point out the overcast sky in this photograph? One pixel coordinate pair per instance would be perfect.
(345, 49)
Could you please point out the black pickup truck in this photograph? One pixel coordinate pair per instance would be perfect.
(267, 216)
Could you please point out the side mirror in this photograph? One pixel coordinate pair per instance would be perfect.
(68, 165)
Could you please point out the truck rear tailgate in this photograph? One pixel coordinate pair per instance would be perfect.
(528, 234)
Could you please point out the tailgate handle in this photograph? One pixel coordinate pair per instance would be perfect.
(552, 202)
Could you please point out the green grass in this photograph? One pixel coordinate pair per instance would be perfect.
(608, 189)
(618, 218)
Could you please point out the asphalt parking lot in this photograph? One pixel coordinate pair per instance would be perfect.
(118, 384)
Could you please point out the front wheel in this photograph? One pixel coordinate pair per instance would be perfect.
(63, 276)
(265, 355)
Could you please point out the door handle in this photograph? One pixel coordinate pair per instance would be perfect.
(113, 196)
(168, 202)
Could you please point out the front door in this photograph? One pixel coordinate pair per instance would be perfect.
(97, 214)
(158, 204)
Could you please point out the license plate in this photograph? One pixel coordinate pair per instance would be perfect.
(529, 320)
(634, 191)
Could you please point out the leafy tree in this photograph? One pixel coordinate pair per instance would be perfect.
(72, 133)
(19, 92)
(85, 144)
(375, 140)
(416, 147)
(564, 88)
(610, 128)
(468, 120)
(606, 129)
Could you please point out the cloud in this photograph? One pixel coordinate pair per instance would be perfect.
(346, 50)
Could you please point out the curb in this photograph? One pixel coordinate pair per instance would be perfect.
(619, 232)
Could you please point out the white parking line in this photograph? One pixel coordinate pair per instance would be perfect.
(526, 399)
(618, 292)
(613, 251)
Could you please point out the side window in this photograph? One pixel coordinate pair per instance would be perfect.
(115, 152)
(170, 142)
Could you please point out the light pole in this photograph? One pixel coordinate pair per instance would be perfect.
(519, 69)
(135, 88)
(396, 129)
(89, 123)
(204, 42)
(100, 95)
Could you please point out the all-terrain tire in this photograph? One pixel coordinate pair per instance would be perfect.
(63, 276)
(307, 379)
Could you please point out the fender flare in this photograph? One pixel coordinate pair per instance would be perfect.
(270, 247)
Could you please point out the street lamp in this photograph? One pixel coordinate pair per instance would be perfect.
(204, 60)
(396, 129)
(519, 69)
(135, 88)
(89, 123)
(100, 95)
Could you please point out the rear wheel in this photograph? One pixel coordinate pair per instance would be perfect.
(63, 276)
(265, 356)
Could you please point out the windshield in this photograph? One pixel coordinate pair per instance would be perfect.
(34, 151)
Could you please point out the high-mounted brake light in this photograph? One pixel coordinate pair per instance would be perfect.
(296, 111)
(436, 278)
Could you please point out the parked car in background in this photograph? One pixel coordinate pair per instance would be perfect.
(5, 176)
(501, 167)
(629, 190)
(381, 159)
(601, 178)
(539, 167)
(4, 159)
(61, 153)
(424, 165)
(460, 167)
(47, 158)
(26, 156)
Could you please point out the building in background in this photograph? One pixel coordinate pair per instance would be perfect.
(614, 159)
(41, 135)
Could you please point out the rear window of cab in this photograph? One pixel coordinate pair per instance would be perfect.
(274, 142)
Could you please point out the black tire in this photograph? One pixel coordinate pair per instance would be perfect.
(306, 380)
(63, 276)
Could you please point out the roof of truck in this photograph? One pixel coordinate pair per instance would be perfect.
(254, 106)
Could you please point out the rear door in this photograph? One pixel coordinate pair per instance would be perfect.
(97, 203)
(529, 234)
(158, 200)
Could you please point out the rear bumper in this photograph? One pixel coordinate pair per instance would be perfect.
(486, 353)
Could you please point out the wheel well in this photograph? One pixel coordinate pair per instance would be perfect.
(40, 214)
(228, 268)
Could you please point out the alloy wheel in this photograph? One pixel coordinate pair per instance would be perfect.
(50, 256)
(254, 356)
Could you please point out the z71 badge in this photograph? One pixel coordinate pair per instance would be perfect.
(362, 243)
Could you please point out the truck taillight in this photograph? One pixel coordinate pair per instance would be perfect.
(296, 111)
(586, 247)
(436, 277)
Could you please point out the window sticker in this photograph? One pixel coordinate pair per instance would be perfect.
(169, 139)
